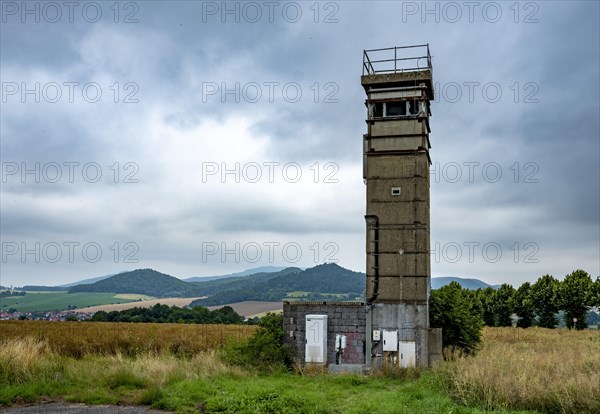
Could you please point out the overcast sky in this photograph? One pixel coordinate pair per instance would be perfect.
(201, 138)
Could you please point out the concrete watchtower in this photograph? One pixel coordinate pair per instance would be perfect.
(399, 87)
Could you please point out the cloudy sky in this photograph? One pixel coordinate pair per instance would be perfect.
(201, 138)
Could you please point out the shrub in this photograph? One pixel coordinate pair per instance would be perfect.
(264, 350)
(452, 309)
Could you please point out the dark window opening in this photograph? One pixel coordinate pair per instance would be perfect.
(395, 108)
(378, 110)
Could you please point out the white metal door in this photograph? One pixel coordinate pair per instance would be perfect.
(316, 339)
(407, 352)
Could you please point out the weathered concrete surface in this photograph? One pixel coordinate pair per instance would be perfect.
(345, 318)
(60, 408)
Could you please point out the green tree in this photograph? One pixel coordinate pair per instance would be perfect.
(594, 299)
(100, 316)
(544, 296)
(453, 309)
(502, 305)
(486, 305)
(574, 295)
(522, 304)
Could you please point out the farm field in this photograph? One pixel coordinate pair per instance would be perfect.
(76, 339)
(179, 302)
(516, 371)
(57, 301)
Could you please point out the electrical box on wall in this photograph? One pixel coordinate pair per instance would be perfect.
(340, 342)
(390, 341)
(316, 339)
(377, 335)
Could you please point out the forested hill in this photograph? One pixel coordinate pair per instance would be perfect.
(145, 282)
(314, 282)
(325, 278)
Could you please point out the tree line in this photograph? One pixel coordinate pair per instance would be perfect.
(171, 314)
(462, 313)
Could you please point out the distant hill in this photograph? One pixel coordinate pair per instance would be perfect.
(472, 284)
(326, 281)
(247, 272)
(142, 281)
(325, 278)
(242, 283)
(35, 288)
(89, 281)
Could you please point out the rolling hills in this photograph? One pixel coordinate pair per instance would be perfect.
(329, 282)
(142, 281)
(326, 281)
(247, 272)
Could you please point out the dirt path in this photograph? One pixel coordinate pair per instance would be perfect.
(59, 408)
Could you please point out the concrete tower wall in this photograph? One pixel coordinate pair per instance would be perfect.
(396, 171)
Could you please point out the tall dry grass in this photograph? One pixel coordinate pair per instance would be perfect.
(20, 359)
(28, 359)
(553, 371)
(76, 339)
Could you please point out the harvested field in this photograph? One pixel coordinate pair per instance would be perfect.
(179, 302)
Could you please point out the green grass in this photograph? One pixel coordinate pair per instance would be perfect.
(56, 301)
(30, 372)
(244, 393)
(290, 393)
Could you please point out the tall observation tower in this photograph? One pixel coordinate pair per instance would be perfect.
(399, 88)
(393, 326)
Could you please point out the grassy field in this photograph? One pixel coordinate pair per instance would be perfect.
(77, 339)
(30, 371)
(57, 301)
(554, 371)
(515, 371)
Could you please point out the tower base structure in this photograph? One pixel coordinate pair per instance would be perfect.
(398, 335)
(363, 347)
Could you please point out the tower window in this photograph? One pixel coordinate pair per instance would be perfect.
(394, 108)
(377, 110)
